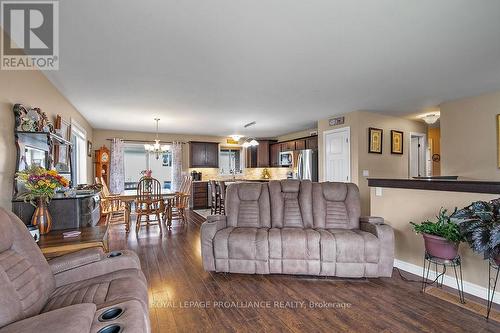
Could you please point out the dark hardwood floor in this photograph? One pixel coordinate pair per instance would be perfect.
(185, 298)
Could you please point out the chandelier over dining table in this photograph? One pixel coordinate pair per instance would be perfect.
(156, 148)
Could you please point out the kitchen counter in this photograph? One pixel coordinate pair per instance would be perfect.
(438, 184)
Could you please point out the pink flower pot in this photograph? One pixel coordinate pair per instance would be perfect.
(440, 247)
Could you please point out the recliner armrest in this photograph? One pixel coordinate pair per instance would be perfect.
(125, 259)
(70, 319)
(371, 219)
(75, 259)
(209, 228)
(385, 234)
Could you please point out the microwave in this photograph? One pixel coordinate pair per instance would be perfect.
(286, 158)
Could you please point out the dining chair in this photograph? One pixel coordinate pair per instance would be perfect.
(177, 205)
(149, 202)
(113, 209)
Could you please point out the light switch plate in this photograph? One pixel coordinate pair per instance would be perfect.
(378, 191)
(366, 173)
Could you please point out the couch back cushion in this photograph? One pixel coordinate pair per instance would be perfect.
(291, 203)
(25, 276)
(336, 205)
(247, 205)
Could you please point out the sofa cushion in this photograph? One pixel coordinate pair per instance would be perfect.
(291, 203)
(355, 246)
(294, 251)
(102, 290)
(247, 205)
(241, 243)
(336, 205)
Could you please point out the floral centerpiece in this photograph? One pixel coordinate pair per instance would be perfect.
(41, 185)
(146, 173)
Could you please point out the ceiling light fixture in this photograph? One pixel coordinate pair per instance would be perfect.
(431, 118)
(156, 148)
(236, 137)
(250, 142)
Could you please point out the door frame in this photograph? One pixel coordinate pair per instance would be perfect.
(424, 137)
(337, 130)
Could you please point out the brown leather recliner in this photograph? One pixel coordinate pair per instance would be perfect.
(84, 291)
(297, 227)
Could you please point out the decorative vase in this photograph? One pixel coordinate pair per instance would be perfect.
(41, 217)
(440, 247)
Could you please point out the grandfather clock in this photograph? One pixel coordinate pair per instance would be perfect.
(102, 163)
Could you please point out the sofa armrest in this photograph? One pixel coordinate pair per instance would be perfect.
(70, 319)
(209, 228)
(385, 234)
(109, 262)
(371, 219)
(76, 259)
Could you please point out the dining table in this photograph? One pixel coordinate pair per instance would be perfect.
(129, 196)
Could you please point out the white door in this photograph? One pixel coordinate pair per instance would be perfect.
(417, 156)
(338, 155)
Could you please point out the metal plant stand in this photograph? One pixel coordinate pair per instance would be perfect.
(493, 271)
(456, 263)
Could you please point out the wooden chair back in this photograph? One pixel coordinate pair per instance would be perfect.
(105, 189)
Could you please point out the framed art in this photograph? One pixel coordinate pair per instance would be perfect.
(396, 142)
(63, 128)
(89, 148)
(375, 137)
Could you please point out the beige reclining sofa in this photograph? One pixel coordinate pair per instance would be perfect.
(85, 291)
(297, 227)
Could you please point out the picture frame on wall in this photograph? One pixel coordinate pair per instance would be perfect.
(375, 140)
(89, 148)
(397, 142)
(63, 128)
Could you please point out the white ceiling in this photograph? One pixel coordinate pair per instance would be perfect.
(208, 67)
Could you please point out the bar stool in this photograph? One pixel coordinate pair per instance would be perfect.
(221, 186)
(214, 194)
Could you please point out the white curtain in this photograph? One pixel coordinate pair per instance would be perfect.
(176, 165)
(117, 167)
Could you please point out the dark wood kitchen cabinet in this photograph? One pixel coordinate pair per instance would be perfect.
(300, 144)
(258, 156)
(274, 155)
(312, 142)
(203, 154)
(287, 146)
(199, 195)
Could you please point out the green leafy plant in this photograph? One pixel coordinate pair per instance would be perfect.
(479, 223)
(443, 227)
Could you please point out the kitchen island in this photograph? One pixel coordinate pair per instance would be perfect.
(400, 201)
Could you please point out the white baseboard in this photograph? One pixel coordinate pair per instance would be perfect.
(449, 281)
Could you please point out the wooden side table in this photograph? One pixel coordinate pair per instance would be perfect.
(54, 244)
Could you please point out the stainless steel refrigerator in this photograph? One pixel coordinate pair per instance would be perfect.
(306, 164)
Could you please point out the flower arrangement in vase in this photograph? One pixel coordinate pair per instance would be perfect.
(41, 185)
(147, 173)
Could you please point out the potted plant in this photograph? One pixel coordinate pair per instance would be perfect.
(479, 223)
(441, 238)
(41, 185)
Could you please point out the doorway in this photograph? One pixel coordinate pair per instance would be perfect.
(418, 155)
(337, 155)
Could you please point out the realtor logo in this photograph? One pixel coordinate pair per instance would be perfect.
(31, 35)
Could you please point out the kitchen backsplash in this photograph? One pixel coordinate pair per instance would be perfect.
(248, 173)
